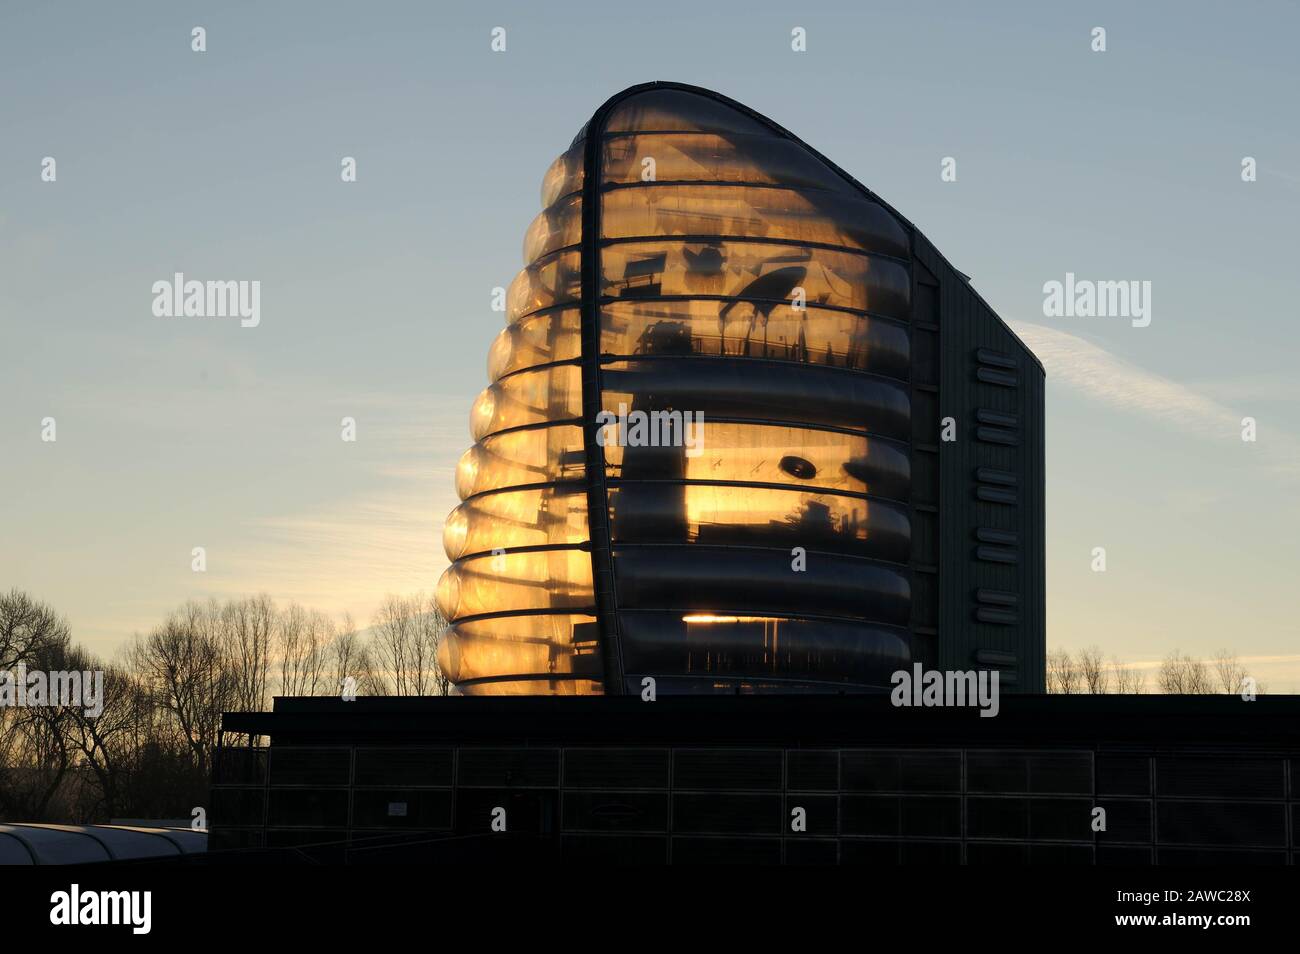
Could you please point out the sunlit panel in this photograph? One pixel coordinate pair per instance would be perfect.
(544, 644)
(708, 157)
(531, 456)
(800, 457)
(530, 397)
(777, 332)
(549, 686)
(722, 515)
(505, 519)
(564, 176)
(726, 388)
(541, 338)
(756, 270)
(702, 645)
(514, 582)
(679, 111)
(768, 213)
(554, 280)
(554, 228)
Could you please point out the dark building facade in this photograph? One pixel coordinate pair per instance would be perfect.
(763, 779)
(797, 513)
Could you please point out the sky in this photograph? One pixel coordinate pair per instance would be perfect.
(376, 294)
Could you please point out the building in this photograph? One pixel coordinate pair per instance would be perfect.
(1181, 780)
(747, 431)
(769, 567)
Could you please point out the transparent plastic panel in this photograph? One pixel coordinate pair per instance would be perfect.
(713, 210)
(564, 645)
(703, 157)
(799, 457)
(720, 515)
(530, 397)
(532, 456)
(563, 176)
(750, 581)
(554, 228)
(517, 518)
(664, 110)
(542, 338)
(708, 644)
(557, 686)
(656, 395)
(556, 280)
(755, 270)
(514, 582)
(813, 335)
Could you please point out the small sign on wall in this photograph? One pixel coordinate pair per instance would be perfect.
(397, 809)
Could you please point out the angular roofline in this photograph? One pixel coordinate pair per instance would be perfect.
(609, 104)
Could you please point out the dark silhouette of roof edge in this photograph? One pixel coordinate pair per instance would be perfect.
(1268, 722)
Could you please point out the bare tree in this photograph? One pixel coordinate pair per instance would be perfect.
(38, 759)
(1128, 680)
(102, 742)
(301, 639)
(407, 634)
(34, 755)
(246, 628)
(41, 761)
(1228, 673)
(1181, 674)
(1063, 675)
(393, 632)
(1093, 675)
(431, 628)
(183, 665)
(349, 657)
(27, 628)
(149, 752)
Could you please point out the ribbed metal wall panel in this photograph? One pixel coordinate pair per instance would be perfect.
(968, 325)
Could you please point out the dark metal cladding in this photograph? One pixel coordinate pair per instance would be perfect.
(711, 451)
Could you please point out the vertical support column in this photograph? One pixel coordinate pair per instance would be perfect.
(602, 563)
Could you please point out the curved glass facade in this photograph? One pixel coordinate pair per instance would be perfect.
(697, 267)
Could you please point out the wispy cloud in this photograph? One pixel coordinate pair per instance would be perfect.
(346, 554)
(329, 525)
(1083, 366)
(1101, 376)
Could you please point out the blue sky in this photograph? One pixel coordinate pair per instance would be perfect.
(375, 294)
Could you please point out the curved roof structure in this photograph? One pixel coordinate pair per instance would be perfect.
(32, 844)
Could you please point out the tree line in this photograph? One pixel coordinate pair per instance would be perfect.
(149, 753)
(1087, 671)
